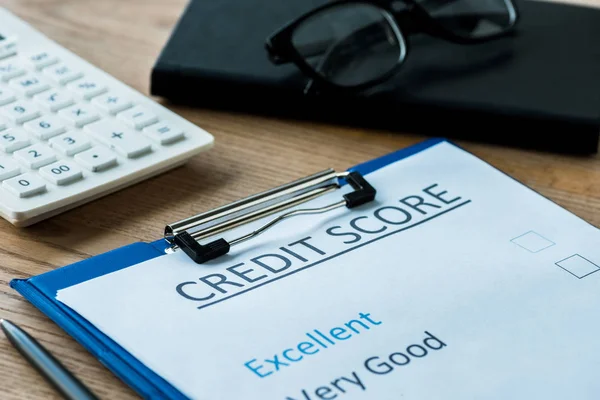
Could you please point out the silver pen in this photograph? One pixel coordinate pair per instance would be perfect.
(50, 368)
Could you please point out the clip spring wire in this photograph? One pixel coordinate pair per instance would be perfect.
(306, 211)
(181, 234)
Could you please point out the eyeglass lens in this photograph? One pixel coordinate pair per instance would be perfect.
(350, 44)
(471, 18)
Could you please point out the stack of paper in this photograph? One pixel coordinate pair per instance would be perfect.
(456, 283)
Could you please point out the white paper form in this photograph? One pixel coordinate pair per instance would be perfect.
(456, 283)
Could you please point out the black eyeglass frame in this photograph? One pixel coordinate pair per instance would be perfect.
(281, 50)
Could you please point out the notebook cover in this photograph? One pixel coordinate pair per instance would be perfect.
(41, 291)
(539, 89)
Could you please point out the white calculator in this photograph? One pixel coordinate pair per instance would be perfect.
(70, 132)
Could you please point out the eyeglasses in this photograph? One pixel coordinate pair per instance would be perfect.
(353, 44)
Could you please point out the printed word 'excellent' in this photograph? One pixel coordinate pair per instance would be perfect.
(312, 343)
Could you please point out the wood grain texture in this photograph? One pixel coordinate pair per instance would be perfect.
(251, 154)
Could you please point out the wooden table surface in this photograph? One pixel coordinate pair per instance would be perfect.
(124, 38)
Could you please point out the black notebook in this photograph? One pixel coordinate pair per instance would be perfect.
(539, 88)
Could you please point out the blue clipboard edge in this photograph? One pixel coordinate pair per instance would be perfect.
(41, 290)
(128, 368)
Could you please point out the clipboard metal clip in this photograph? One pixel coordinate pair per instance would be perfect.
(187, 233)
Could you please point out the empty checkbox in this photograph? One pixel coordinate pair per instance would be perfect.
(578, 266)
(532, 241)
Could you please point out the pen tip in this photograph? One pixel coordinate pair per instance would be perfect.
(5, 324)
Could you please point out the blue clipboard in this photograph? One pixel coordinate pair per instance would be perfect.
(41, 291)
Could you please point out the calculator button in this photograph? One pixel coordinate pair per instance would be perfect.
(25, 185)
(61, 172)
(8, 48)
(71, 143)
(62, 73)
(86, 89)
(20, 112)
(35, 156)
(164, 132)
(79, 114)
(29, 84)
(3, 124)
(13, 139)
(8, 168)
(112, 103)
(6, 96)
(96, 159)
(54, 101)
(45, 127)
(118, 137)
(9, 70)
(41, 59)
(138, 117)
